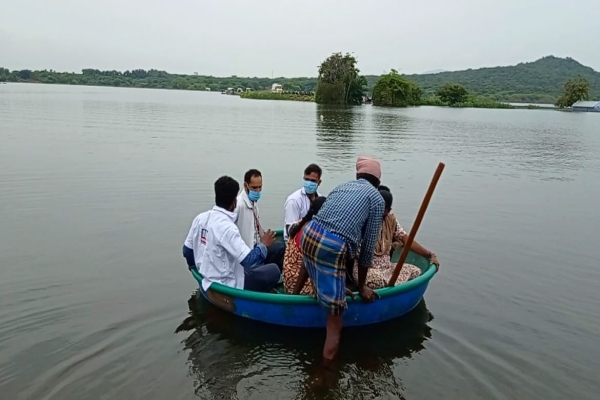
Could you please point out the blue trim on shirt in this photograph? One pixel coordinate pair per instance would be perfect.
(188, 254)
(256, 257)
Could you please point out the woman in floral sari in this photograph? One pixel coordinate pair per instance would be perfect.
(292, 260)
(392, 233)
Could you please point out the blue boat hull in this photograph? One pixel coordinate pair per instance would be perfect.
(314, 316)
(304, 311)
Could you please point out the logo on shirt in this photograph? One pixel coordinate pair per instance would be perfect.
(203, 233)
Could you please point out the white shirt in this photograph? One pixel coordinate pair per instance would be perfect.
(296, 207)
(218, 248)
(245, 211)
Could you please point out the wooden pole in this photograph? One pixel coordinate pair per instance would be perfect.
(416, 224)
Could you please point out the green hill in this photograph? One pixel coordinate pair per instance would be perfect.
(538, 81)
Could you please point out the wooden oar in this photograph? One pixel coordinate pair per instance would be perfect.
(416, 224)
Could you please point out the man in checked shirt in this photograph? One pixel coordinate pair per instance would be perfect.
(351, 216)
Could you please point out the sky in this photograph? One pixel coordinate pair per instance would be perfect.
(291, 38)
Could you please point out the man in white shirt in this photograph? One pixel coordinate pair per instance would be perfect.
(248, 217)
(297, 204)
(215, 247)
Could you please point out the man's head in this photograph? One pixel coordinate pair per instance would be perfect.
(253, 184)
(312, 178)
(387, 198)
(368, 169)
(226, 190)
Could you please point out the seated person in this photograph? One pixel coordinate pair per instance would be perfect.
(248, 217)
(391, 231)
(215, 247)
(297, 204)
(292, 261)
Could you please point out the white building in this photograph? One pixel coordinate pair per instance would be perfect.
(276, 88)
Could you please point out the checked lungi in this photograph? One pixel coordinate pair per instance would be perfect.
(324, 256)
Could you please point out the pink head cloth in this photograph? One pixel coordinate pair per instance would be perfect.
(366, 165)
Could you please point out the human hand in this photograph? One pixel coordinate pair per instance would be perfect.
(434, 260)
(350, 293)
(268, 238)
(367, 294)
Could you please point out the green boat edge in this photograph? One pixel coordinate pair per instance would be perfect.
(296, 299)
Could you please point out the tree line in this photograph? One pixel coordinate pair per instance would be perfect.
(140, 78)
(540, 81)
(340, 82)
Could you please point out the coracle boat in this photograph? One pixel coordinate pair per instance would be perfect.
(304, 311)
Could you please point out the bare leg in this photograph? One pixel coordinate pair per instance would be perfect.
(332, 341)
(302, 278)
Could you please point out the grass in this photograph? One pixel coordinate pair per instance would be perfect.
(267, 95)
(472, 102)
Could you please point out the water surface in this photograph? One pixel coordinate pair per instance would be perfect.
(98, 187)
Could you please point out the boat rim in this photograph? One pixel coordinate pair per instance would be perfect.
(298, 299)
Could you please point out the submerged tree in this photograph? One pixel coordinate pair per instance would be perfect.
(575, 89)
(339, 81)
(453, 93)
(396, 90)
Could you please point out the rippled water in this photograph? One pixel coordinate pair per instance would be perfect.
(98, 187)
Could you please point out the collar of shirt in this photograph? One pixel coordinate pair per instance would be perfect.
(229, 214)
(246, 199)
(303, 191)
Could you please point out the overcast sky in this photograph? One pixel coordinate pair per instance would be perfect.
(290, 38)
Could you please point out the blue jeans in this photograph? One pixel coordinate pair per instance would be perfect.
(275, 254)
(263, 278)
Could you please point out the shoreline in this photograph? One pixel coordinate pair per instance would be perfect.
(267, 95)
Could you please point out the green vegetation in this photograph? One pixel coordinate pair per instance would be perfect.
(395, 90)
(575, 90)
(267, 95)
(339, 81)
(140, 78)
(452, 94)
(540, 81)
(470, 102)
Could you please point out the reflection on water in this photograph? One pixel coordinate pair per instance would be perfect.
(226, 351)
(392, 129)
(335, 135)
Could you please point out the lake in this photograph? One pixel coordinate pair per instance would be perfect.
(98, 187)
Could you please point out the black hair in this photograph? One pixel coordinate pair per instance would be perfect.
(226, 190)
(372, 179)
(313, 168)
(315, 206)
(387, 197)
(251, 173)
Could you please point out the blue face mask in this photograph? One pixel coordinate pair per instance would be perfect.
(253, 195)
(310, 187)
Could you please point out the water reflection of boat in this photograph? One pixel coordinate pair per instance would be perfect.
(304, 311)
(225, 350)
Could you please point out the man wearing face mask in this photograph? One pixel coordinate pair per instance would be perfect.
(248, 217)
(298, 203)
(215, 248)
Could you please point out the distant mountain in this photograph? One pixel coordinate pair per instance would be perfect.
(434, 71)
(538, 81)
